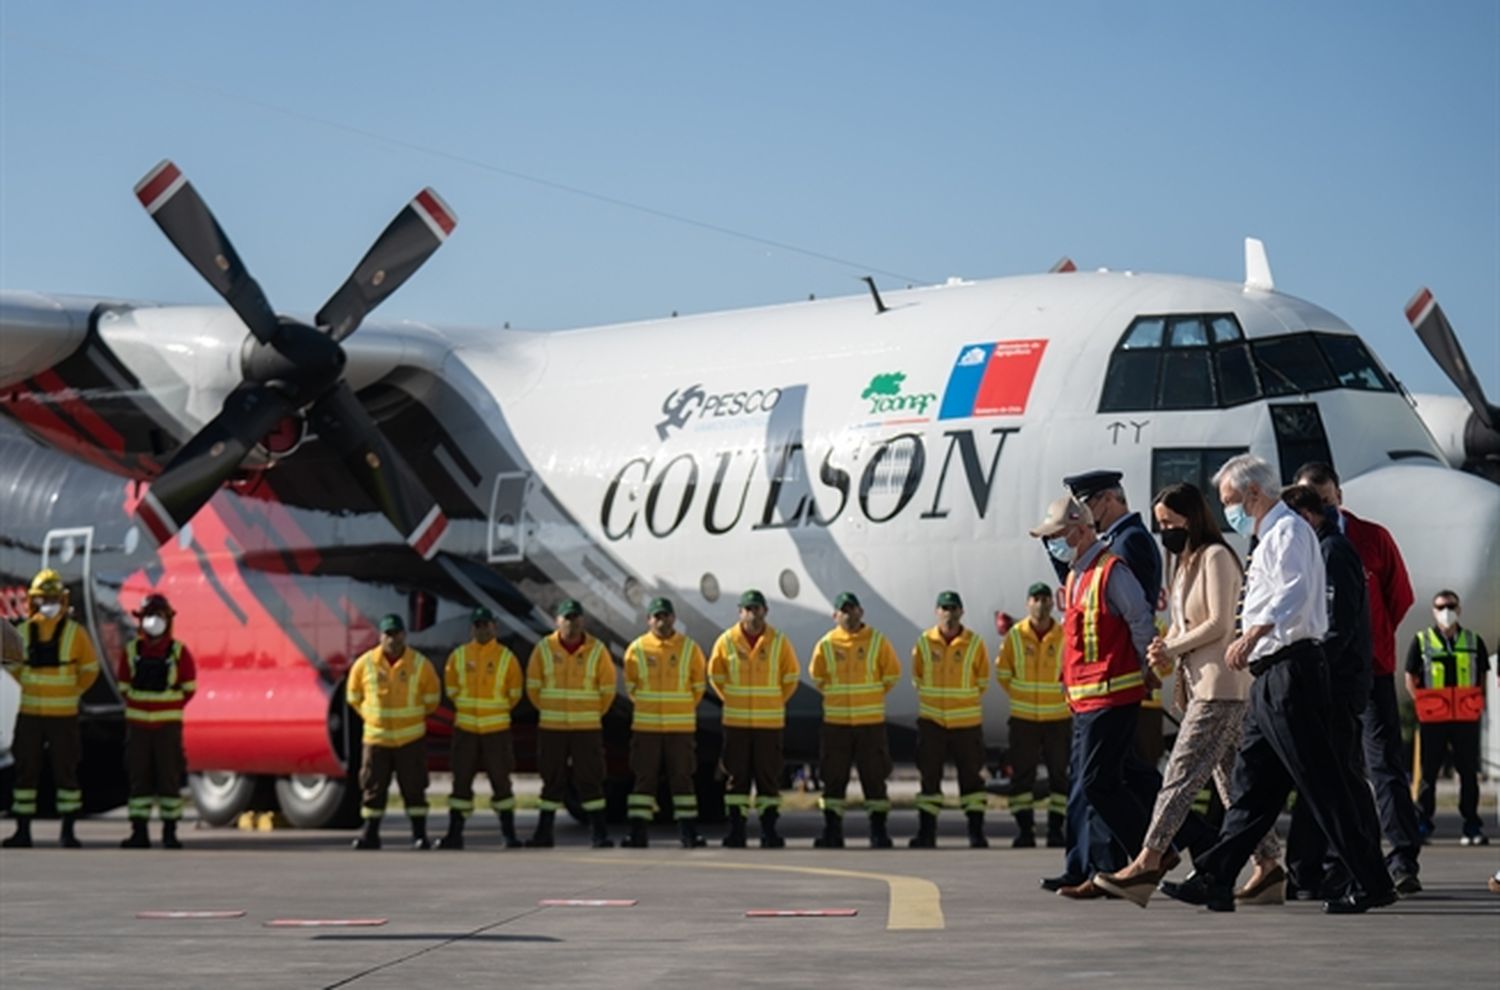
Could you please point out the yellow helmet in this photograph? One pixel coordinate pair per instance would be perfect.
(47, 583)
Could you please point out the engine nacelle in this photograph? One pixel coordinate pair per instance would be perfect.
(1467, 444)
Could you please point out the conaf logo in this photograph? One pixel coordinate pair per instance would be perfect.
(884, 393)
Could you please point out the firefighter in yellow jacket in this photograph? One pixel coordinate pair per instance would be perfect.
(1029, 668)
(570, 678)
(394, 688)
(951, 670)
(59, 666)
(854, 667)
(754, 670)
(483, 680)
(665, 676)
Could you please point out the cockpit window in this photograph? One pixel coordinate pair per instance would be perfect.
(1202, 361)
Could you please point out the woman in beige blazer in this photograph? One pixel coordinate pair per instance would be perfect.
(1205, 590)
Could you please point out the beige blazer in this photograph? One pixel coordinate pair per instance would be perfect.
(1205, 593)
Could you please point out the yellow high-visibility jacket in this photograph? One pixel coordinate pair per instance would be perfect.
(754, 683)
(570, 690)
(854, 672)
(1029, 668)
(950, 678)
(666, 679)
(54, 690)
(483, 680)
(394, 699)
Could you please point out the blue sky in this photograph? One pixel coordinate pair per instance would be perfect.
(1361, 141)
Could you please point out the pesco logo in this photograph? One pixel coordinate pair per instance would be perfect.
(887, 400)
(684, 404)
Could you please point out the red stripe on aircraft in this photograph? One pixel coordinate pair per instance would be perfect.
(429, 202)
(32, 409)
(1417, 307)
(425, 538)
(153, 186)
(58, 391)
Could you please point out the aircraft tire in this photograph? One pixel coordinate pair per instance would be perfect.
(221, 796)
(318, 801)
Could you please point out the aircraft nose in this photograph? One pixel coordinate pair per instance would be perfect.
(1447, 524)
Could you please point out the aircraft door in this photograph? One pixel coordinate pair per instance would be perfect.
(70, 552)
(1300, 437)
(509, 523)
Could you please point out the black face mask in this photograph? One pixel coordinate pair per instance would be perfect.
(1175, 540)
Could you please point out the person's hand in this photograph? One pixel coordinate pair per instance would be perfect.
(1156, 653)
(1238, 654)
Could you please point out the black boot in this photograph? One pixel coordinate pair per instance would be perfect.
(455, 837)
(601, 839)
(1055, 823)
(833, 832)
(169, 838)
(926, 837)
(879, 837)
(769, 837)
(1026, 834)
(736, 837)
(419, 832)
(542, 837)
(638, 838)
(369, 836)
(976, 831)
(65, 837)
(508, 830)
(139, 838)
(688, 832)
(21, 838)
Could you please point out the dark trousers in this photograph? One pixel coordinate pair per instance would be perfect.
(965, 747)
(154, 764)
(557, 752)
(1462, 739)
(408, 764)
(1286, 745)
(1090, 847)
(1117, 785)
(752, 756)
(651, 754)
(52, 738)
(846, 747)
(491, 752)
(1150, 742)
(1034, 743)
(1384, 759)
(1309, 861)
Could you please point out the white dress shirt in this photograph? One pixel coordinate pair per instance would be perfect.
(1287, 587)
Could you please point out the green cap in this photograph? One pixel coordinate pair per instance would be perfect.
(949, 599)
(568, 607)
(482, 614)
(752, 599)
(659, 605)
(846, 599)
(1040, 588)
(391, 623)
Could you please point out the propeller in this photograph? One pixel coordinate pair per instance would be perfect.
(292, 368)
(1436, 333)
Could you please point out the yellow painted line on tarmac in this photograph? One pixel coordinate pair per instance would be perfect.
(915, 902)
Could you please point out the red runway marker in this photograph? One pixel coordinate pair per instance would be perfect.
(325, 922)
(177, 915)
(829, 913)
(587, 903)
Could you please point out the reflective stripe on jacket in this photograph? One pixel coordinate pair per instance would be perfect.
(154, 707)
(854, 672)
(754, 682)
(665, 679)
(1030, 670)
(570, 690)
(483, 680)
(394, 699)
(1438, 700)
(1100, 667)
(54, 690)
(950, 678)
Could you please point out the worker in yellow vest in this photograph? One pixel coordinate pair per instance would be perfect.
(483, 680)
(950, 667)
(570, 678)
(394, 688)
(1445, 673)
(665, 676)
(854, 667)
(59, 666)
(1029, 668)
(754, 670)
(158, 678)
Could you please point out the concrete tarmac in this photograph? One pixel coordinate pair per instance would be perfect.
(949, 917)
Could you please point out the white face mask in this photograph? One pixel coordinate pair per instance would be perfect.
(1447, 617)
(50, 610)
(154, 625)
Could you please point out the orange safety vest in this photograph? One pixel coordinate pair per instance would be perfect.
(1439, 701)
(1100, 668)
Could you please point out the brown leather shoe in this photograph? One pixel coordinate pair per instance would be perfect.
(1086, 891)
(1271, 889)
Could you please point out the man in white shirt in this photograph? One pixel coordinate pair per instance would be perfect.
(1286, 743)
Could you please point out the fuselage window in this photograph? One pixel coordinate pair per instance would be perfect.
(1237, 382)
(1187, 380)
(1291, 365)
(1300, 437)
(1226, 330)
(1352, 364)
(1196, 466)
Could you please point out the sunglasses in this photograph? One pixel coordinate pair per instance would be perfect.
(1445, 604)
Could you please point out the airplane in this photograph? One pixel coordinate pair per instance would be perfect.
(287, 481)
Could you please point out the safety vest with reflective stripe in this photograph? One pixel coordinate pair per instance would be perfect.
(570, 690)
(1100, 667)
(155, 707)
(394, 699)
(1438, 700)
(950, 678)
(483, 680)
(754, 683)
(854, 672)
(53, 690)
(665, 679)
(1030, 670)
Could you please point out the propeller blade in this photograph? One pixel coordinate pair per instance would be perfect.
(1436, 333)
(210, 457)
(183, 216)
(380, 469)
(418, 230)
